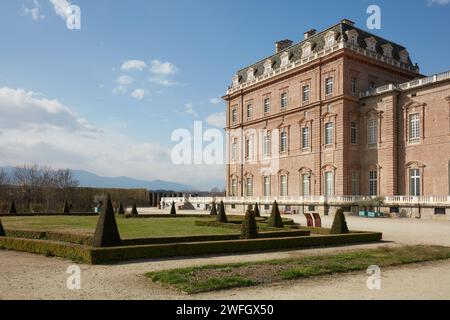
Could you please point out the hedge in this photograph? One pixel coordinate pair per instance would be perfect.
(53, 236)
(233, 225)
(108, 255)
(82, 253)
(73, 214)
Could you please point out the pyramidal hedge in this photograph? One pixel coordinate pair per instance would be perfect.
(2, 231)
(121, 210)
(12, 208)
(66, 208)
(256, 211)
(222, 216)
(213, 209)
(173, 210)
(339, 223)
(249, 229)
(275, 220)
(134, 210)
(106, 232)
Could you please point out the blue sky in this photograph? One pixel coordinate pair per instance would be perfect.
(68, 98)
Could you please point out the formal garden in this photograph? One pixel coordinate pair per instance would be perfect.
(114, 235)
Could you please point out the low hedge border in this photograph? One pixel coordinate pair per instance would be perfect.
(229, 225)
(53, 236)
(82, 253)
(74, 252)
(75, 214)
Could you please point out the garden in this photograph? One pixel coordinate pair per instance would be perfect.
(114, 236)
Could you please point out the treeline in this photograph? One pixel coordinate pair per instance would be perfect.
(42, 189)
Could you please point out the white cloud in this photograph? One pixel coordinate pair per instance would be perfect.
(34, 12)
(189, 109)
(163, 81)
(162, 68)
(120, 90)
(60, 7)
(133, 65)
(438, 2)
(138, 94)
(215, 101)
(217, 120)
(65, 140)
(125, 80)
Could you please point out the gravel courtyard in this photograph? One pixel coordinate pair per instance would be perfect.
(28, 276)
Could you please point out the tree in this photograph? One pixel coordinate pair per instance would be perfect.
(106, 232)
(4, 178)
(256, 210)
(275, 220)
(222, 216)
(2, 231)
(12, 208)
(66, 208)
(134, 210)
(173, 210)
(339, 223)
(213, 209)
(121, 210)
(249, 229)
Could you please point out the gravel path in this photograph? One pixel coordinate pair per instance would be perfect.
(29, 276)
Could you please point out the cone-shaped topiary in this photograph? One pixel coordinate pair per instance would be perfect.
(339, 223)
(256, 211)
(249, 229)
(121, 210)
(173, 210)
(134, 210)
(2, 231)
(213, 209)
(66, 208)
(222, 216)
(12, 208)
(275, 220)
(106, 232)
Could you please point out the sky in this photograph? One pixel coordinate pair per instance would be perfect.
(106, 98)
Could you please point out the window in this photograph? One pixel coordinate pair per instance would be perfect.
(266, 105)
(305, 95)
(249, 181)
(414, 128)
(329, 183)
(328, 86)
(283, 141)
(306, 51)
(249, 111)
(329, 132)
(353, 39)
(373, 183)
(329, 41)
(233, 187)
(354, 83)
(266, 186)
(414, 182)
(355, 183)
(354, 132)
(283, 185)
(439, 211)
(372, 136)
(247, 149)
(284, 100)
(234, 115)
(305, 184)
(305, 138)
(267, 144)
(234, 150)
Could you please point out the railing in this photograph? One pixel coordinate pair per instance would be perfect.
(437, 200)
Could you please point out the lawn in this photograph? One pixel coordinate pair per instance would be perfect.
(219, 277)
(128, 228)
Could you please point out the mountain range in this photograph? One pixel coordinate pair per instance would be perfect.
(89, 179)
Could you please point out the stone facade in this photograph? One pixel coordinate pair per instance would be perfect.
(335, 119)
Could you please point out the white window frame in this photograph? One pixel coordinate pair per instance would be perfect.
(249, 186)
(414, 182)
(283, 141)
(329, 183)
(329, 86)
(354, 132)
(355, 183)
(234, 115)
(354, 86)
(329, 133)
(234, 150)
(233, 187)
(305, 138)
(249, 111)
(267, 145)
(306, 184)
(372, 133)
(267, 186)
(306, 93)
(284, 185)
(373, 183)
(414, 128)
(284, 102)
(266, 105)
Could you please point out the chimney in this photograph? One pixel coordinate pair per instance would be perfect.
(348, 22)
(283, 44)
(310, 33)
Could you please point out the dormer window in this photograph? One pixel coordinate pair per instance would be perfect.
(285, 59)
(329, 39)
(404, 56)
(371, 44)
(387, 50)
(235, 80)
(250, 74)
(306, 49)
(352, 37)
(268, 67)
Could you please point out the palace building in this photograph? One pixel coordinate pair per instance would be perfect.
(343, 112)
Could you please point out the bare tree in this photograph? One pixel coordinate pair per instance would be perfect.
(4, 178)
(64, 179)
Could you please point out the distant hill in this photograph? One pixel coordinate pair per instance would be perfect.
(89, 179)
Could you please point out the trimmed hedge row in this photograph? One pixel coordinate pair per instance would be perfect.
(143, 216)
(52, 236)
(231, 225)
(70, 251)
(73, 214)
(92, 255)
(107, 255)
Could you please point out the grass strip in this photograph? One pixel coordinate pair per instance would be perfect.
(219, 277)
